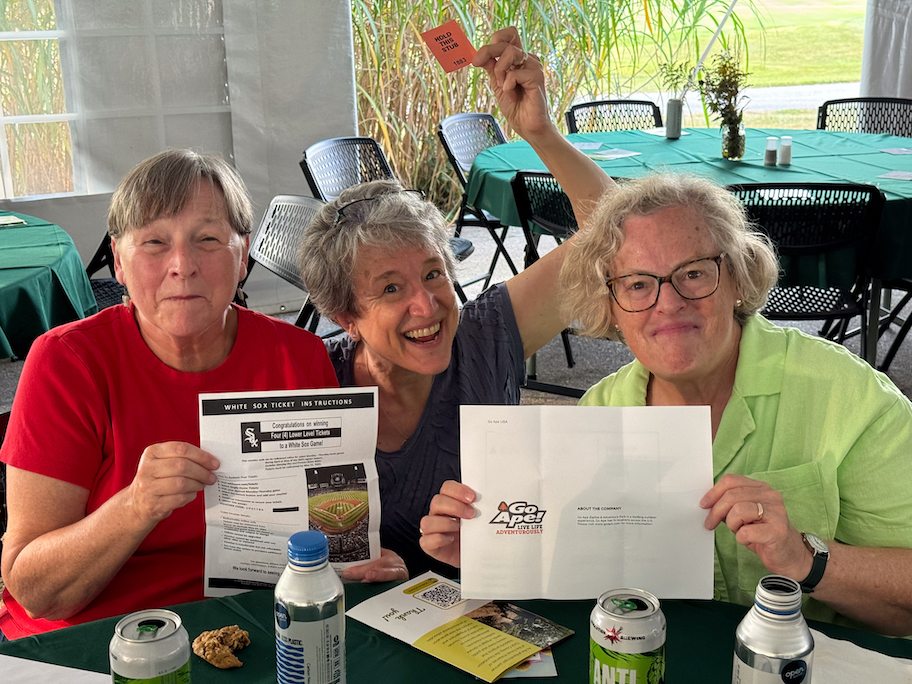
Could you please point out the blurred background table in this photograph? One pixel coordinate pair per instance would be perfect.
(817, 156)
(699, 646)
(42, 283)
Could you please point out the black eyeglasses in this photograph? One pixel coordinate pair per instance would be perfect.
(696, 279)
(340, 212)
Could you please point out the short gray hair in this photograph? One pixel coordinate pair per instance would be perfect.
(393, 218)
(749, 253)
(160, 187)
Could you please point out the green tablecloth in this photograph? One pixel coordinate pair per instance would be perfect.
(699, 645)
(817, 156)
(42, 283)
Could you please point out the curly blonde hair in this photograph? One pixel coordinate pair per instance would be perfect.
(749, 253)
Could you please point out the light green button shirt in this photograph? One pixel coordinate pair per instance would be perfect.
(822, 427)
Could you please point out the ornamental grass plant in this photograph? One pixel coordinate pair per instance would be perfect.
(592, 49)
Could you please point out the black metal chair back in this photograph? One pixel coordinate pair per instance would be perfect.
(823, 233)
(884, 115)
(333, 165)
(544, 209)
(463, 136)
(890, 115)
(107, 291)
(276, 245)
(613, 115)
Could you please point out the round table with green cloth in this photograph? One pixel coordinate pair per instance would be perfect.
(43, 283)
(817, 156)
(699, 646)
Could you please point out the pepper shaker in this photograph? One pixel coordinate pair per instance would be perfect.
(769, 159)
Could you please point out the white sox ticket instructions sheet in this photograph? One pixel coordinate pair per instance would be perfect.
(576, 500)
(290, 461)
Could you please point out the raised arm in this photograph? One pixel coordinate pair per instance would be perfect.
(518, 81)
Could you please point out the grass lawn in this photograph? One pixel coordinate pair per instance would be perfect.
(804, 41)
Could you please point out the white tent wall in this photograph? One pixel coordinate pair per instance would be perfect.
(291, 83)
(886, 62)
(256, 82)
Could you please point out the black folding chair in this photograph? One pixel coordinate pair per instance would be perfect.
(276, 247)
(823, 233)
(544, 209)
(463, 136)
(884, 115)
(891, 115)
(107, 291)
(613, 115)
(333, 165)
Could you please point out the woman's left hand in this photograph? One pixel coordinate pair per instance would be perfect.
(388, 568)
(754, 511)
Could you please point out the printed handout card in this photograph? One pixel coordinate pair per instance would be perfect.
(484, 638)
(449, 44)
(290, 461)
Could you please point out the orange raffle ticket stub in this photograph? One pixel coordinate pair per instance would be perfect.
(450, 46)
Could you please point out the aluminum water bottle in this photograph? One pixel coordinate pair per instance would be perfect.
(773, 643)
(309, 615)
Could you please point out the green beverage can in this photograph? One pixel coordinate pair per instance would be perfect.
(627, 639)
(150, 647)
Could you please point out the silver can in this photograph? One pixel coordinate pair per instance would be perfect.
(150, 646)
(627, 638)
(773, 644)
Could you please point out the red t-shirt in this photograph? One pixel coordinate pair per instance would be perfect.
(92, 396)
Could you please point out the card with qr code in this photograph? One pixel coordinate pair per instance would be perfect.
(430, 613)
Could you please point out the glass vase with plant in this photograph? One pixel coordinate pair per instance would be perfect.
(721, 87)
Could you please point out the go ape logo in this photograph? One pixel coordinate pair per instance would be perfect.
(518, 513)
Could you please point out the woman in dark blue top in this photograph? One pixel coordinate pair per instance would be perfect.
(377, 261)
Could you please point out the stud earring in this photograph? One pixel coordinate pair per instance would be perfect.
(738, 303)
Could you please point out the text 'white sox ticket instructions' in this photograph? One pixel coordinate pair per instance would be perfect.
(576, 500)
(290, 461)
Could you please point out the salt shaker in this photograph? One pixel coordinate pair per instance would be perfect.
(785, 150)
(769, 158)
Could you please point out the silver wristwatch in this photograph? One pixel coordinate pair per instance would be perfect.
(821, 554)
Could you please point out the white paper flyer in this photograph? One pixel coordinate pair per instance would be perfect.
(290, 461)
(576, 500)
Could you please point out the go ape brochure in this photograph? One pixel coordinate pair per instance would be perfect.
(485, 638)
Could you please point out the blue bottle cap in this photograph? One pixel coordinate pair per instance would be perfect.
(308, 548)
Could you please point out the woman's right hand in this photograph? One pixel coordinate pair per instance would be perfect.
(169, 476)
(518, 81)
(440, 529)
